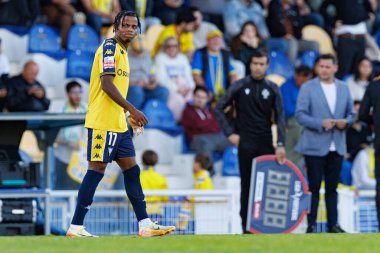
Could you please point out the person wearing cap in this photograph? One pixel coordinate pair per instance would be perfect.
(212, 66)
(182, 31)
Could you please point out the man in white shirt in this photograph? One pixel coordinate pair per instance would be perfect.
(324, 110)
(201, 29)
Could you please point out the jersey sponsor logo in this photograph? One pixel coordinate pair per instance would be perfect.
(265, 93)
(121, 72)
(96, 155)
(108, 52)
(108, 65)
(247, 91)
(98, 137)
(109, 59)
(98, 146)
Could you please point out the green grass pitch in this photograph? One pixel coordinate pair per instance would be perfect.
(304, 243)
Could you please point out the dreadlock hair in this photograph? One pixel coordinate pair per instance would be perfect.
(121, 15)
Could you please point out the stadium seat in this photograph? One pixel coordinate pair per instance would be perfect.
(14, 46)
(230, 162)
(152, 34)
(79, 65)
(45, 39)
(280, 65)
(312, 32)
(308, 58)
(165, 145)
(82, 37)
(29, 145)
(277, 79)
(160, 117)
(51, 71)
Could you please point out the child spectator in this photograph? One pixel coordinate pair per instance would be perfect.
(150, 179)
(201, 167)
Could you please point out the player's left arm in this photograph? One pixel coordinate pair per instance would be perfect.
(110, 89)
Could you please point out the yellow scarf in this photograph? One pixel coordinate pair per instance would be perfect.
(371, 167)
(141, 8)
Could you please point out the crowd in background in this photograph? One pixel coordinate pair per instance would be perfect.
(195, 61)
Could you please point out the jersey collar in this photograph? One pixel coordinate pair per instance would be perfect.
(121, 44)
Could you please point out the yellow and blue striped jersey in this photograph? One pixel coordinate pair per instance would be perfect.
(111, 58)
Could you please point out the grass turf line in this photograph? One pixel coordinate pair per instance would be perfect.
(310, 243)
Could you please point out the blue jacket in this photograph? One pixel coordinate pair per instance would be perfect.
(312, 109)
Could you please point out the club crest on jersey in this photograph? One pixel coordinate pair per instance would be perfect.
(265, 93)
(247, 91)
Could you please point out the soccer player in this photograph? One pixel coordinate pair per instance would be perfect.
(108, 137)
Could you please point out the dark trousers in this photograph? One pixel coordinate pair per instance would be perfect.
(349, 51)
(247, 152)
(328, 168)
(377, 175)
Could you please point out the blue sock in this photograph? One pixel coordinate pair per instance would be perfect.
(85, 195)
(135, 192)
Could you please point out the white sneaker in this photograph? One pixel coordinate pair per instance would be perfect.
(78, 231)
(155, 230)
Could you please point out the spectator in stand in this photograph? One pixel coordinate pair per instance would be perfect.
(59, 13)
(19, 13)
(182, 30)
(4, 65)
(358, 136)
(174, 73)
(3, 96)
(100, 12)
(25, 93)
(167, 10)
(363, 74)
(284, 22)
(237, 12)
(307, 16)
(4, 71)
(150, 179)
(144, 8)
(212, 66)
(289, 91)
(201, 29)
(68, 138)
(363, 170)
(201, 127)
(143, 84)
(201, 168)
(246, 43)
(350, 30)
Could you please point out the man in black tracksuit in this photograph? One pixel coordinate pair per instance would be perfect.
(371, 100)
(257, 102)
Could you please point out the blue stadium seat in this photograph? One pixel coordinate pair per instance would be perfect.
(280, 64)
(82, 37)
(230, 162)
(377, 37)
(79, 65)
(160, 117)
(45, 39)
(308, 58)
